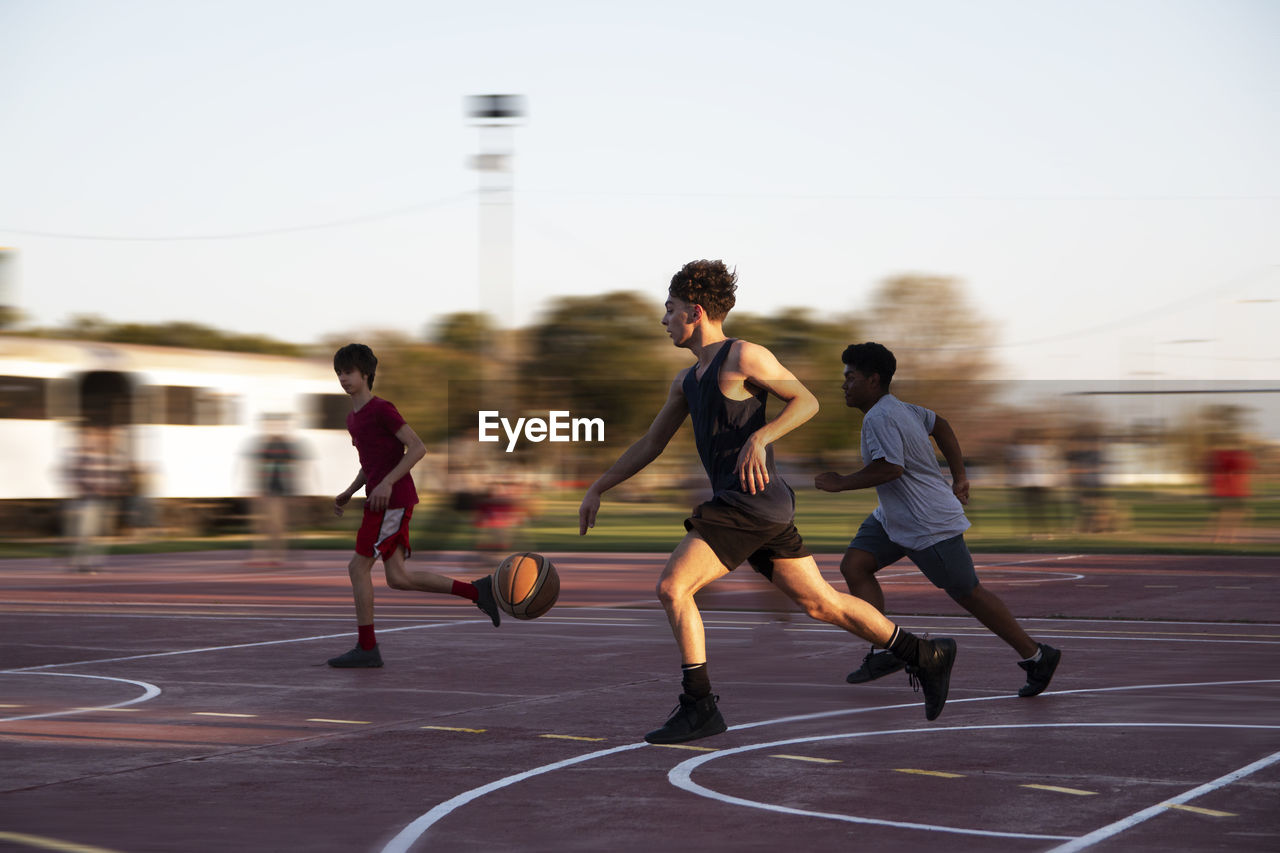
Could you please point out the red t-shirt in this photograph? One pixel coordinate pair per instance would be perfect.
(1229, 472)
(373, 432)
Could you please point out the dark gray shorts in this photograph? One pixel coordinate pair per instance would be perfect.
(947, 564)
(737, 536)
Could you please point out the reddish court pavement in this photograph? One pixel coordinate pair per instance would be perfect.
(181, 703)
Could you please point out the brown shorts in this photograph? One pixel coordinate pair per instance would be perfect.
(736, 536)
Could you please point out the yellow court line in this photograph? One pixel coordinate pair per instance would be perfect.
(808, 758)
(570, 737)
(219, 714)
(593, 619)
(13, 706)
(940, 774)
(51, 843)
(1160, 586)
(340, 722)
(1211, 634)
(1198, 810)
(455, 729)
(1074, 791)
(684, 746)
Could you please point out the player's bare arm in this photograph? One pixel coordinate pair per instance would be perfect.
(949, 444)
(752, 364)
(880, 471)
(634, 459)
(342, 499)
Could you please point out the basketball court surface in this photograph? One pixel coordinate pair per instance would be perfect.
(182, 703)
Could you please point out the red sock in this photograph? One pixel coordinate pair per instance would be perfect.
(462, 589)
(364, 634)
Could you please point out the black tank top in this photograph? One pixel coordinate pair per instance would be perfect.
(721, 427)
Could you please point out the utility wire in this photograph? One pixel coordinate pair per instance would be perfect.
(245, 235)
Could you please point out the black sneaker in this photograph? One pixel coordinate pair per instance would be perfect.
(877, 664)
(358, 657)
(1039, 673)
(692, 719)
(486, 601)
(934, 678)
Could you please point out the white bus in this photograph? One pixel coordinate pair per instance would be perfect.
(184, 417)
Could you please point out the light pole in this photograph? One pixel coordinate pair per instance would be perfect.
(496, 116)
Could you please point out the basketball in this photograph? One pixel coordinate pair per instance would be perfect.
(526, 585)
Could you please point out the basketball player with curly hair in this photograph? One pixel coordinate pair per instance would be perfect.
(751, 513)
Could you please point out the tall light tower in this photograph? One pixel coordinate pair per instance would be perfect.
(496, 116)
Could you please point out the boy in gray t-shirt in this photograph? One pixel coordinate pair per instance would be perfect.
(919, 517)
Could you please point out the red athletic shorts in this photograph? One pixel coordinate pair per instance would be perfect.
(382, 532)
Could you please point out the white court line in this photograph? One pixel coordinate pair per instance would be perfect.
(977, 632)
(150, 691)
(239, 646)
(1105, 832)
(411, 833)
(681, 777)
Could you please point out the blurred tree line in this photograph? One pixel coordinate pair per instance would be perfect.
(87, 327)
(607, 356)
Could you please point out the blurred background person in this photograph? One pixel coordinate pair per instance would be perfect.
(96, 473)
(1085, 462)
(276, 461)
(137, 508)
(1033, 469)
(1229, 466)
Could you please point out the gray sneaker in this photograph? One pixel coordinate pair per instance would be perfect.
(358, 657)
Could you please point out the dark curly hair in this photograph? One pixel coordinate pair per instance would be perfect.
(707, 283)
(356, 356)
(870, 358)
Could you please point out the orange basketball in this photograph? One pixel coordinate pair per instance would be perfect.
(526, 585)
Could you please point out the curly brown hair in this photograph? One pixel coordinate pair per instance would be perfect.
(707, 283)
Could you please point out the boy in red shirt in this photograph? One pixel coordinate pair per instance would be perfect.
(388, 449)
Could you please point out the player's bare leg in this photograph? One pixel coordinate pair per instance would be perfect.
(859, 569)
(360, 569)
(366, 653)
(400, 577)
(991, 611)
(930, 660)
(691, 567)
(800, 579)
(479, 591)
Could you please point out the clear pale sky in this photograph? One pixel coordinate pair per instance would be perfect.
(1102, 175)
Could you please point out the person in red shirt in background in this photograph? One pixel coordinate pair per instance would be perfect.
(388, 449)
(1229, 468)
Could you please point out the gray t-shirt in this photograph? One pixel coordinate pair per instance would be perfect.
(918, 509)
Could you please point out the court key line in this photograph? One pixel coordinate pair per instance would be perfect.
(681, 777)
(150, 691)
(1113, 829)
(416, 829)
